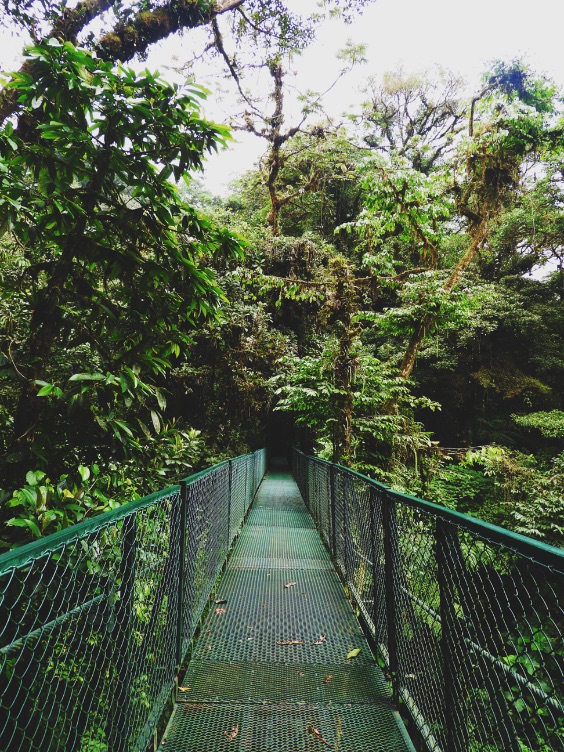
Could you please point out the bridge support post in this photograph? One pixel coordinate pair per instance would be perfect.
(229, 494)
(120, 724)
(180, 597)
(456, 735)
(246, 485)
(391, 561)
(346, 530)
(332, 510)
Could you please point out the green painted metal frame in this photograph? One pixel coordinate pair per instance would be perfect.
(158, 539)
(445, 553)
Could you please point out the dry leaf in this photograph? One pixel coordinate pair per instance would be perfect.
(230, 735)
(328, 679)
(220, 610)
(221, 600)
(290, 584)
(290, 642)
(322, 639)
(318, 735)
(184, 689)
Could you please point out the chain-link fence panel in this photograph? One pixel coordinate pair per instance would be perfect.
(95, 619)
(468, 617)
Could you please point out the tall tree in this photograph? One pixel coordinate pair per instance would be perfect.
(113, 269)
(423, 192)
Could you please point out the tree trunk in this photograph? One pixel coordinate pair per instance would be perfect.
(345, 363)
(414, 345)
(276, 140)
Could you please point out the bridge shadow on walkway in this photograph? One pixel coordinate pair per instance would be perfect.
(270, 671)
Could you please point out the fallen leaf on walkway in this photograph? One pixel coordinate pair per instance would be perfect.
(220, 610)
(230, 735)
(353, 653)
(290, 584)
(328, 679)
(322, 639)
(290, 642)
(318, 735)
(221, 600)
(184, 689)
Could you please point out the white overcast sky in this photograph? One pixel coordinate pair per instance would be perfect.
(416, 34)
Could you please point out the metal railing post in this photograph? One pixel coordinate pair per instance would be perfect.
(120, 726)
(181, 573)
(391, 561)
(246, 485)
(373, 501)
(229, 495)
(333, 515)
(346, 530)
(455, 731)
(192, 533)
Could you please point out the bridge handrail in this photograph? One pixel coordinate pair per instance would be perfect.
(96, 619)
(466, 616)
(543, 553)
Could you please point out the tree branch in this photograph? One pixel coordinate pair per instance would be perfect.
(135, 37)
(218, 41)
(125, 40)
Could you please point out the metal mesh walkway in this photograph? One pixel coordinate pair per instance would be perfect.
(270, 671)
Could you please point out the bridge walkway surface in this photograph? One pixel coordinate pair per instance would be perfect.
(269, 671)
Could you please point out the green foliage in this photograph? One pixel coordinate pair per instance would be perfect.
(107, 271)
(528, 491)
(463, 488)
(43, 507)
(550, 424)
(113, 324)
(518, 82)
(406, 203)
(306, 387)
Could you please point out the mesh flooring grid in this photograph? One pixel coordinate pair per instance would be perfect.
(279, 543)
(243, 690)
(287, 518)
(202, 727)
(277, 563)
(263, 608)
(276, 682)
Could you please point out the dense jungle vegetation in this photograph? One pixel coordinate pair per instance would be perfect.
(393, 285)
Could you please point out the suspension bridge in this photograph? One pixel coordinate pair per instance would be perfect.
(275, 611)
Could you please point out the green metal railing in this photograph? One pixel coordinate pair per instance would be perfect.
(467, 617)
(95, 620)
